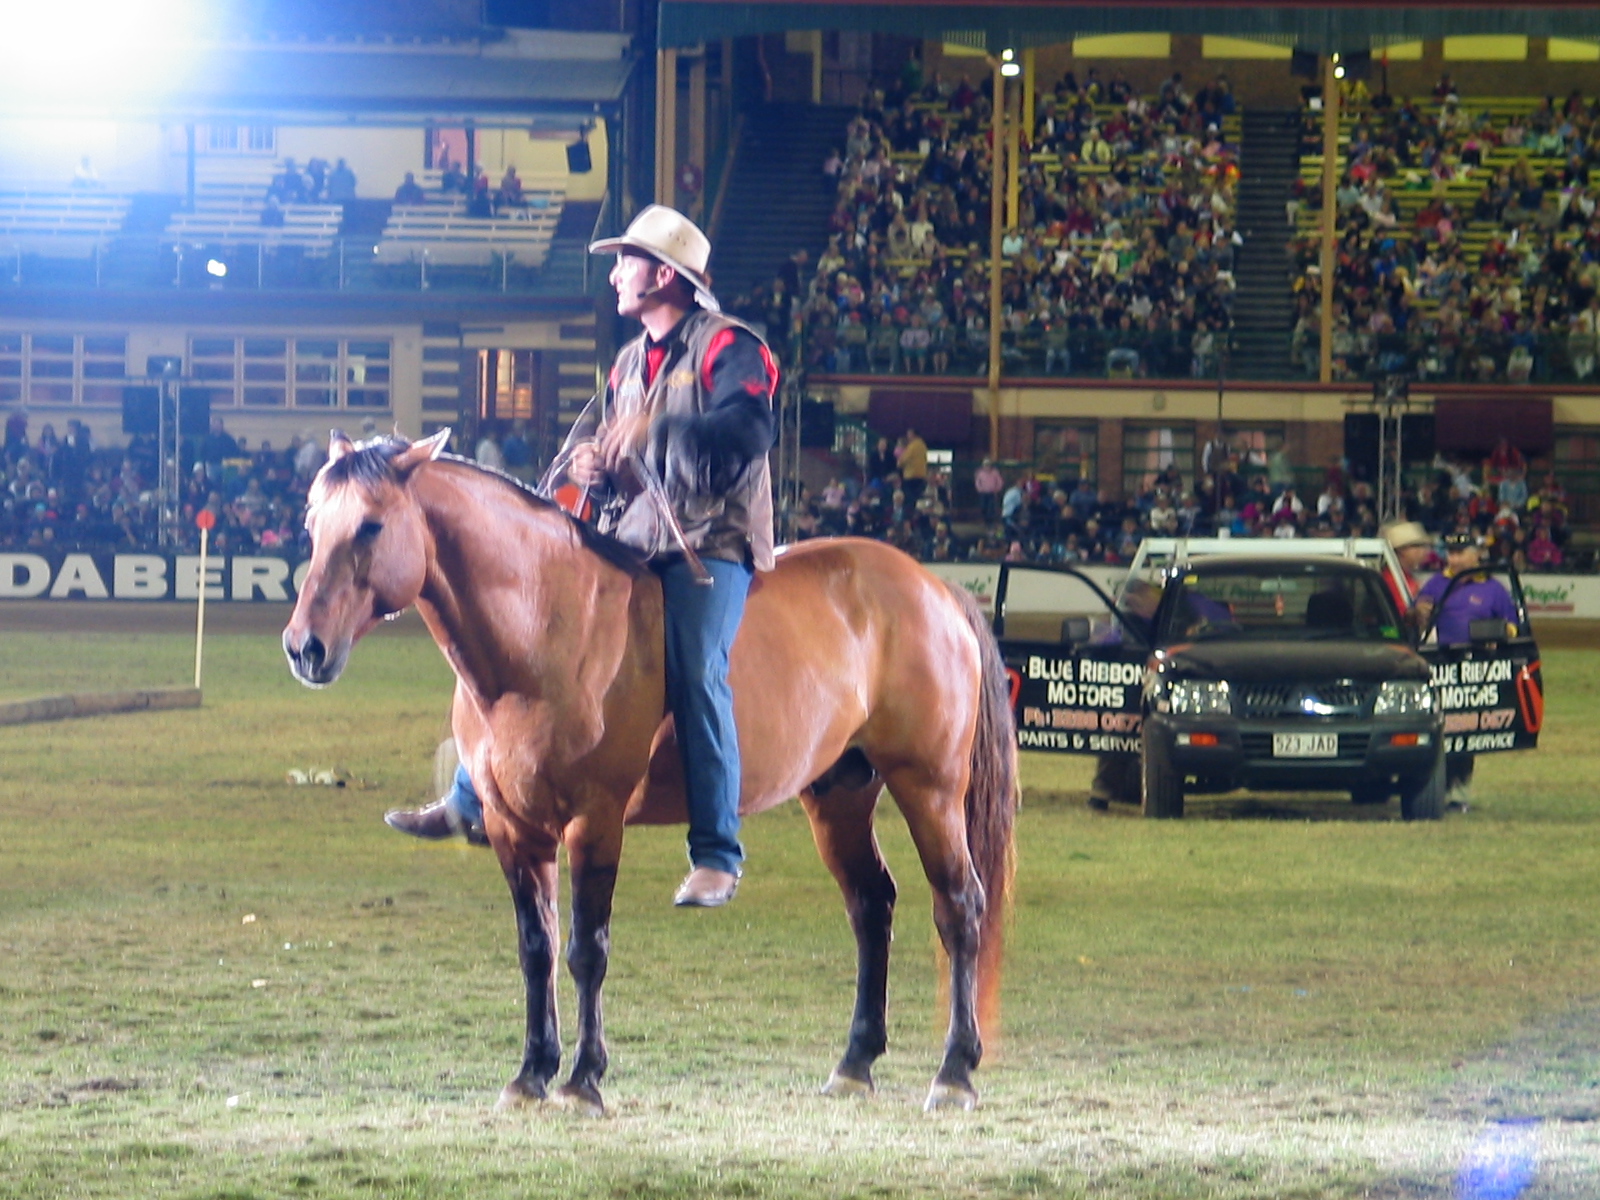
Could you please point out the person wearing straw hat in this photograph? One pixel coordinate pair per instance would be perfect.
(686, 415)
(1412, 544)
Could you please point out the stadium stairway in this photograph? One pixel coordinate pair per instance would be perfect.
(776, 202)
(1263, 315)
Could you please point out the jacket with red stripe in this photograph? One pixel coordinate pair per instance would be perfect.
(708, 388)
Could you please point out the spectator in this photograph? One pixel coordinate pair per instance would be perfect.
(989, 483)
(488, 452)
(341, 183)
(288, 186)
(912, 461)
(510, 191)
(410, 191)
(316, 176)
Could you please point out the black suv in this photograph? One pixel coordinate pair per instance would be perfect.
(1287, 674)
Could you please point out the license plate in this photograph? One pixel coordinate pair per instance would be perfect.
(1305, 745)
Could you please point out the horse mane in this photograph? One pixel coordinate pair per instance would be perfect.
(371, 464)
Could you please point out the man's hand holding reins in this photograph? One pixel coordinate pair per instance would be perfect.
(621, 439)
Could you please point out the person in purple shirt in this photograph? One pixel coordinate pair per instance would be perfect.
(1475, 598)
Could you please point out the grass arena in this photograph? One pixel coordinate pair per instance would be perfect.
(222, 983)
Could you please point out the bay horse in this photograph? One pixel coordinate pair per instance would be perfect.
(854, 668)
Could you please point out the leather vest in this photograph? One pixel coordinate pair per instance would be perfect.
(728, 525)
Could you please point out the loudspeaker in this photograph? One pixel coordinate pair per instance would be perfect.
(194, 412)
(1361, 445)
(1416, 438)
(579, 161)
(816, 424)
(141, 410)
(1303, 63)
(1357, 64)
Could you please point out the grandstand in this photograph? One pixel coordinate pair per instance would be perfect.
(1146, 142)
(443, 232)
(59, 223)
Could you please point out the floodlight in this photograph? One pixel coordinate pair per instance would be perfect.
(1007, 55)
(95, 48)
(215, 266)
(1338, 72)
(1010, 69)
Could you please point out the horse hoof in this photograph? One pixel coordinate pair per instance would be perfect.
(580, 1099)
(517, 1095)
(846, 1086)
(950, 1095)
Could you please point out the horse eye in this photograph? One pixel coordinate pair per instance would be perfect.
(369, 530)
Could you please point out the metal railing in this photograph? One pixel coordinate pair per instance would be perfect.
(338, 264)
(1067, 354)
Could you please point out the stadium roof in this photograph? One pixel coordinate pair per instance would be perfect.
(1325, 25)
(517, 77)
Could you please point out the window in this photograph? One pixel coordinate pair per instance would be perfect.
(241, 139)
(1065, 453)
(1148, 450)
(62, 368)
(1577, 467)
(52, 365)
(309, 373)
(105, 366)
(10, 367)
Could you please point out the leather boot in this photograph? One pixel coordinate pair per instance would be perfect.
(434, 822)
(707, 887)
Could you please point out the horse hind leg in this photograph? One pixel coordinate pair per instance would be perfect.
(935, 814)
(840, 806)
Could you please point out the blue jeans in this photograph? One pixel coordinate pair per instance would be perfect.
(700, 626)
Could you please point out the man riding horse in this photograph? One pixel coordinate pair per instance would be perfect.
(685, 422)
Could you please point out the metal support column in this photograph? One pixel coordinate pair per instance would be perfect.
(1330, 209)
(996, 198)
(666, 126)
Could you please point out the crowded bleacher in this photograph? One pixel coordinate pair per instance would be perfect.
(1027, 516)
(1119, 263)
(1469, 243)
(59, 492)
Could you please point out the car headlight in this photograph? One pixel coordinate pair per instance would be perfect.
(1199, 697)
(1401, 699)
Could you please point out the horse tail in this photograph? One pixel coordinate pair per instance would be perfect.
(992, 798)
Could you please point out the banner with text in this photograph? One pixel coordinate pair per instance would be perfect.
(1493, 697)
(1076, 701)
(58, 576)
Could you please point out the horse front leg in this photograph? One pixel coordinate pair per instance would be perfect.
(593, 865)
(530, 871)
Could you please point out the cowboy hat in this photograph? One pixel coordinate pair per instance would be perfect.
(1407, 533)
(667, 235)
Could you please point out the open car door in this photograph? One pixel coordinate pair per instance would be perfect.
(1076, 662)
(1490, 686)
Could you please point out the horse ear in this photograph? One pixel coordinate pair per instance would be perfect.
(426, 450)
(338, 445)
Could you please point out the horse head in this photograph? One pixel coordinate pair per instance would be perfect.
(369, 550)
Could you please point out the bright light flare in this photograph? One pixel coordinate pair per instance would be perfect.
(95, 48)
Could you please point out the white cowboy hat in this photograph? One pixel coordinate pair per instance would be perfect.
(666, 234)
(1407, 533)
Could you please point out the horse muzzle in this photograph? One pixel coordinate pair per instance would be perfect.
(310, 660)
